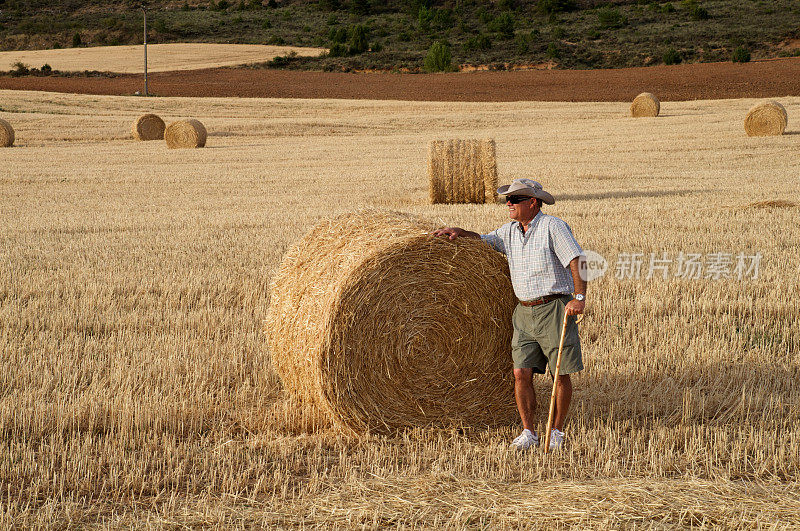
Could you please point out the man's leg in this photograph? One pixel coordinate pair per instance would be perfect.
(526, 396)
(563, 398)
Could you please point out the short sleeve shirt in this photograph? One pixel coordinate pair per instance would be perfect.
(538, 259)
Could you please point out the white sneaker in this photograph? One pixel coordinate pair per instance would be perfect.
(525, 440)
(556, 439)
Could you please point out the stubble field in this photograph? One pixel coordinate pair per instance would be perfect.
(135, 385)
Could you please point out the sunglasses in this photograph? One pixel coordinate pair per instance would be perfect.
(516, 199)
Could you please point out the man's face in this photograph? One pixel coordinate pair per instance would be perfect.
(522, 208)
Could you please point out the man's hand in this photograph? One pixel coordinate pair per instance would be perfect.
(575, 307)
(454, 232)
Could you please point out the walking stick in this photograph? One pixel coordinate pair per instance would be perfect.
(555, 386)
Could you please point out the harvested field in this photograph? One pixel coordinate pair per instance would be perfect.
(135, 383)
(160, 57)
(758, 79)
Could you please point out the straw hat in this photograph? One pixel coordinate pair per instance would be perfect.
(526, 187)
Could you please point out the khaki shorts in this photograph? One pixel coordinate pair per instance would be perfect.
(537, 331)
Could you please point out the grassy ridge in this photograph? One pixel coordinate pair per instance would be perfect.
(394, 35)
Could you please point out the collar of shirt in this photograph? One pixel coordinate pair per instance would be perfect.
(531, 225)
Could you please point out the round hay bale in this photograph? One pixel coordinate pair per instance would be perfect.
(766, 119)
(645, 104)
(380, 326)
(148, 127)
(185, 134)
(6, 134)
(462, 171)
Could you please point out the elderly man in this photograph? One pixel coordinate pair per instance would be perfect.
(544, 260)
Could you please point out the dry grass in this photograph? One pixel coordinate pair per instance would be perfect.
(462, 171)
(773, 203)
(396, 331)
(160, 57)
(136, 389)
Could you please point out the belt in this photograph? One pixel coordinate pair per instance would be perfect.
(542, 300)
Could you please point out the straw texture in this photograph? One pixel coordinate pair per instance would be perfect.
(380, 326)
(462, 171)
(645, 104)
(766, 119)
(185, 134)
(6, 134)
(148, 127)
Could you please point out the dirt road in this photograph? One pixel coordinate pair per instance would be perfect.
(768, 78)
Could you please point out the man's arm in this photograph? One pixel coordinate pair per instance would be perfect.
(456, 232)
(574, 307)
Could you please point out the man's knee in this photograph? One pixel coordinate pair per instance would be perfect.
(523, 376)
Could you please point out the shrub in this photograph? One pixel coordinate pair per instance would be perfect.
(439, 58)
(556, 6)
(76, 40)
(20, 69)
(337, 50)
(46, 69)
(329, 5)
(503, 24)
(337, 35)
(672, 57)
(478, 42)
(740, 55)
(610, 17)
(700, 13)
(360, 7)
(553, 51)
(668, 8)
(358, 40)
(282, 60)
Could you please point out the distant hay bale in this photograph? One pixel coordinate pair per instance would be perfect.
(6, 134)
(645, 104)
(773, 203)
(379, 326)
(766, 119)
(185, 134)
(148, 127)
(462, 171)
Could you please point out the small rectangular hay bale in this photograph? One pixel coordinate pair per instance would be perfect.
(462, 171)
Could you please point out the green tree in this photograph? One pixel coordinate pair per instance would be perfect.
(439, 58)
(358, 40)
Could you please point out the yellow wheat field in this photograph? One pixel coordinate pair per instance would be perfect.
(160, 57)
(136, 389)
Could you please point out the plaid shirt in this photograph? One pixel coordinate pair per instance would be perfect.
(539, 259)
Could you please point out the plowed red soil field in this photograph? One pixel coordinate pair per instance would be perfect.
(766, 78)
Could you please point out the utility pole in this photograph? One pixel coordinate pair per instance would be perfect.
(144, 11)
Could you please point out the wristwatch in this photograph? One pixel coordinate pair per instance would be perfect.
(580, 297)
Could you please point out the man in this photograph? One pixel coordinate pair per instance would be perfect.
(544, 260)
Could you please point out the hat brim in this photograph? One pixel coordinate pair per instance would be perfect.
(541, 194)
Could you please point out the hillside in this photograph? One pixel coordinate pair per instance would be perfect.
(393, 35)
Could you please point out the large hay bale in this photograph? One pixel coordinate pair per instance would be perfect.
(380, 326)
(148, 127)
(185, 134)
(6, 134)
(766, 119)
(462, 171)
(645, 104)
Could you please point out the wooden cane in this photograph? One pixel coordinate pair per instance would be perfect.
(555, 386)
